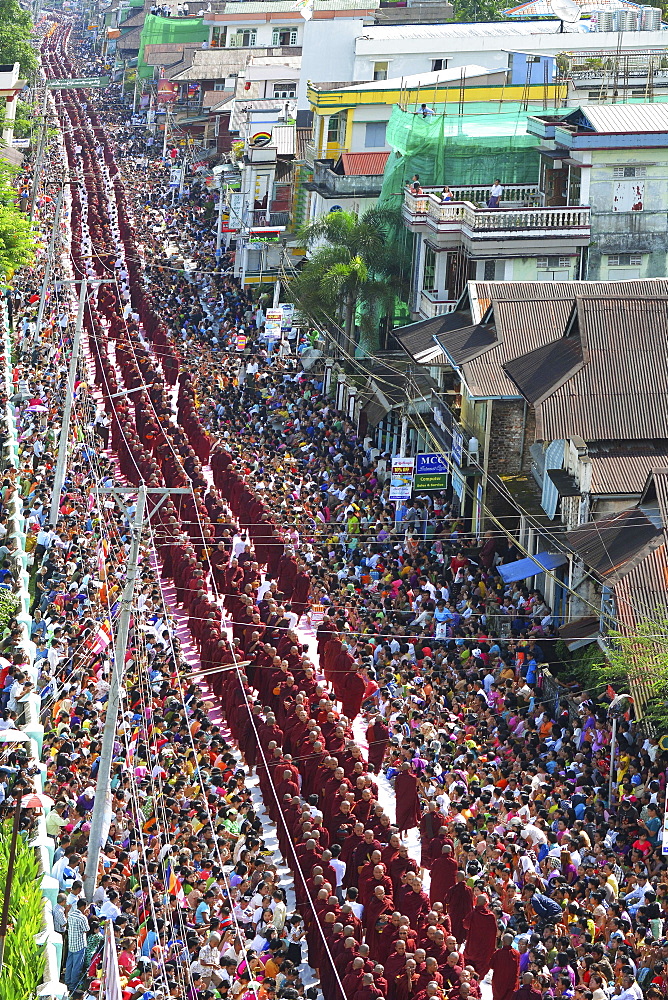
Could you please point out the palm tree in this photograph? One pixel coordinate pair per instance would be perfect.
(356, 269)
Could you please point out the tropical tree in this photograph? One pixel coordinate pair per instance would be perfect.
(637, 663)
(479, 10)
(17, 237)
(356, 268)
(15, 34)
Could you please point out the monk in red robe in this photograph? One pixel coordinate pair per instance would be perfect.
(458, 904)
(408, 800)
(481, 932)
(378, 737)
(505, 965)
(443, 875)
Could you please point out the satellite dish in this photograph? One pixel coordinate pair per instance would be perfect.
(566, 10)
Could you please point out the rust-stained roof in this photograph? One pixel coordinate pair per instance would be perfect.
(303, 137)
(611, 546)
(363, 164)
(624, 470)
(619, 392)
(484, 292)
(539, 373)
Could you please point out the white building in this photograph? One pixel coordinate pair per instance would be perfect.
(404, 50)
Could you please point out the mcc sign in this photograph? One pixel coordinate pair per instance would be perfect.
(431, 472)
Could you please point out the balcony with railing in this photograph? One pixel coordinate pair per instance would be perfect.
(516, 217)
(277, 219)
(329, 184)
(435, 304)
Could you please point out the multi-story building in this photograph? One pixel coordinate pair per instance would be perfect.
(596, 210)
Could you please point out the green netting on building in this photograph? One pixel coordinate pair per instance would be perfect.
(166, 31)
(473, 148)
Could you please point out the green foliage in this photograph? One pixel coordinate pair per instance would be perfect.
(9, 606)
(638, 665)
(356, 269)
(23, 969)
(479, 10)
(17, 241)
(15, 33)
(17, 238)
(583, 665)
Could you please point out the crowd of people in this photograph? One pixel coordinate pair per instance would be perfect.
(442, 829)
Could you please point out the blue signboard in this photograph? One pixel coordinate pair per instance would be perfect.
(429, 464)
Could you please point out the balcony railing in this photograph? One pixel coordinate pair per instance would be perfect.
(453, 216)
(275, 218)
(432, 305)
(514, 195)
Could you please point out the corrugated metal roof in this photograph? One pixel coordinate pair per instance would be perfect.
(530, 314)
(302, 140)
(660, 479)
(627, 117)
(639, 596)
(539, 373)
(543, 8)
(468, 342)
(613, 545)
(579, 631)
(620, 392)
(420, 345)
(618, 472)
(212, 98)
(425, 80)
(283, 138)
(419, 339)
(364, 164)
(213, 64)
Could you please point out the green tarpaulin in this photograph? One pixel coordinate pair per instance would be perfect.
(473, 148)
(169, 31)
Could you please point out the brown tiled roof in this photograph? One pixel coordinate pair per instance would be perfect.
(363, 164)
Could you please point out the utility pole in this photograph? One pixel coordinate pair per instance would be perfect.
(164, 141)
(49, 260)
(103, 783)
(61, 462)
(40, 154)
(219, 225)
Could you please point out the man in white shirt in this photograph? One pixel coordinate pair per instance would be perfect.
(629, 990)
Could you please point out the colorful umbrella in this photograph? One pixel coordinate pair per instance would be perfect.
(36, 800)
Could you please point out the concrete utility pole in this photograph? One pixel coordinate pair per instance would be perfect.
(49, 260)
(40, 154)
(61, 461)
(164, 141)
(103, 783)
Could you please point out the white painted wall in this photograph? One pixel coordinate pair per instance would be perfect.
(409, 49)
(328, 53)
